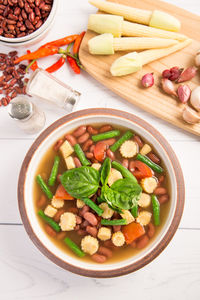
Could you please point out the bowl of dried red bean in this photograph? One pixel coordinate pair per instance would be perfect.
(25, 21)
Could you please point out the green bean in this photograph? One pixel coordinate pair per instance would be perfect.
(79, 152)
(113, 222)
(134, 211)
(74, 247)
(93, 206)
(149, 163)
(49, 221)
(125, 172)
(127, 135)
(156, 210)
(44, 187)
(105, 135)
(54, 171)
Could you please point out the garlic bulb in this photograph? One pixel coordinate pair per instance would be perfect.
(195, 98)
(190, 115)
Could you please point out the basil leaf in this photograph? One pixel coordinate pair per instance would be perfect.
(105, 170)
(123, 194)
(81, 182)
(129, 193)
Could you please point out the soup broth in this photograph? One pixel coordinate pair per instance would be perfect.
(118, 252)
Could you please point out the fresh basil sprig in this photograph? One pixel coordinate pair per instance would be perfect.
(105, 171)
(81, 182)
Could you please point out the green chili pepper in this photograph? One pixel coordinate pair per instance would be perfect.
(93, 206)
(156, 210)
(113, 222)
(105, 135)
(149, 163)
(74, 247)
(79, 152)
(127, 135)
(54, 171)
(44, 187)
(49, 221)
(125, 172)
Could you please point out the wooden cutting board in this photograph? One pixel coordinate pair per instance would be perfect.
(152, 100)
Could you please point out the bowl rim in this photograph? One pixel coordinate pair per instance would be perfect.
(180, 186)
(30, 37)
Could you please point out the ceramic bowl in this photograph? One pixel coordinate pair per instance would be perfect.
(27, 177)
(37, 35)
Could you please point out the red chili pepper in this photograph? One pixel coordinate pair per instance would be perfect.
(34, 66)
(62, 42)
(57, 65)
(73, 64)
(42, 52)
(77, 42)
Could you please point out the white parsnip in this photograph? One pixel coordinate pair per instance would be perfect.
(133, 61)
(156, 18)
(103, 23)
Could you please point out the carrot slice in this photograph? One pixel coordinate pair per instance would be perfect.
(61, 193)
(132, 231)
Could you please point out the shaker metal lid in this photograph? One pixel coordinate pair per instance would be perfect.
(20, 108)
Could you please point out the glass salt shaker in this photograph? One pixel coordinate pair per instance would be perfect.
(48, 88)
(26, 114)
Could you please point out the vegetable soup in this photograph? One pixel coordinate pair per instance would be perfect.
(101, 193)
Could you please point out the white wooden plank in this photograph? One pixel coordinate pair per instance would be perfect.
(187, 153)
(26, 274)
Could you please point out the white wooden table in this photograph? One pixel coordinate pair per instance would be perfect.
(25, 273)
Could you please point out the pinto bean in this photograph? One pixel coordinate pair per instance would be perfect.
(58, 215)
(58, 144)
(160, 191)
(83, 138)
(110, 245)
(92, 148)
(87, 144)
(142, 242)
(131, 166)
(77, 162)
(61, 235)
(116, 228)
(162, 199)
(161, 178)
(71, 139)
(50, 230)
(154, 158)
(77, 227)
(73, 210)
(109, 142)
(92, 230)
(78, 220)
(81, 232)
(83, 210)
(151, 230)
(98, 258)
(79, 131)
(85, 224)
(105, 251)
(90, 217)
(42, 201)
(92, 130)
(110, 154)
(105, 128)
(125, 163)
(138, 140)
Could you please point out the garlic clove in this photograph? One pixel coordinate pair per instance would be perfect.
(187, 74)
(197, 58)
(168, 87)
(190, 115)
(184, 93)
(195, 98)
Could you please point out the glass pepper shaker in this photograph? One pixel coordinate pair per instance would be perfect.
(26, 114)
(48, 88)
